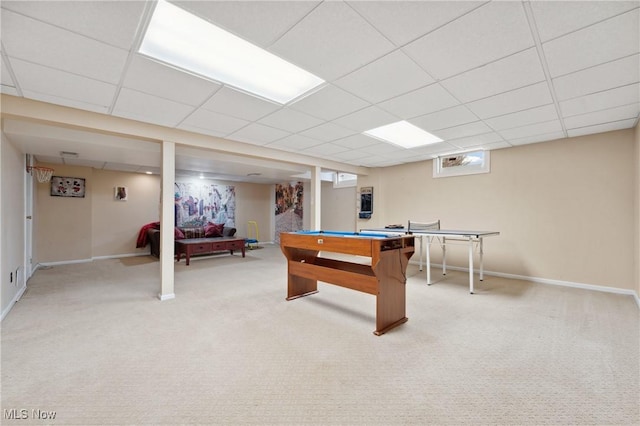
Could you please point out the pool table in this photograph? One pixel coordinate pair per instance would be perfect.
(384, 277)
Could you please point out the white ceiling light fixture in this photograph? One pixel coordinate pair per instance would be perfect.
(183, 40)
(404, 134)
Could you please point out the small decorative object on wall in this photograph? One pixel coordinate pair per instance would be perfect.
(67, 187)
(121, 193)
(366, 202)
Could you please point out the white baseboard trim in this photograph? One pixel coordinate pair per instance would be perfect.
(16, 298)
(62, 262)
(69, 262)
(118, 256)
(549, 281)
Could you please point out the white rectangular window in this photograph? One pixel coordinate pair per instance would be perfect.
(344, 180)
(464, 163)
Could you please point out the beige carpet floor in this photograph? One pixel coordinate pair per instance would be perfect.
(92, 343)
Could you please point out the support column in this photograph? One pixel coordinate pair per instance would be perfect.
(167, 221)
(315, 200)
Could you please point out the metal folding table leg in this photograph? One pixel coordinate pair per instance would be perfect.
(471, 265)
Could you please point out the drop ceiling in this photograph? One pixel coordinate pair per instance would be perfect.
(480, 75)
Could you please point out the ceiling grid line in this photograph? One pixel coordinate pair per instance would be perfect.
(142, 25)
(481, 73)
(543, 61)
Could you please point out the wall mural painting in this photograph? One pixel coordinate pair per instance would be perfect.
(289, 198)
(197, 204)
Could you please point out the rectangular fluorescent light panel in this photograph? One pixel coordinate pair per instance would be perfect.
(183, 40)
(404, 134)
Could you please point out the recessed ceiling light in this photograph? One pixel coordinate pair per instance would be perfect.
(149, 173)
(404, 134)
(183, 40)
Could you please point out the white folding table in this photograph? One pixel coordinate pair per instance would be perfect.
(472, 237)
(431, 231)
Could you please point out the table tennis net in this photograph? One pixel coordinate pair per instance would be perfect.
(414, 226)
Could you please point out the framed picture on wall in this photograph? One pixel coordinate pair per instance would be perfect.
(121, 193)
(62, 186)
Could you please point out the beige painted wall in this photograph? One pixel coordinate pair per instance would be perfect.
(12, 223)
(253, 202)
(564, 208)
(62, 227)
(115, 224)
(69, 229)
(338, 208)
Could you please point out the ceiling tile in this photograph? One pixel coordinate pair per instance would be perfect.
(556, 18)
(217, 123)
(380, 148)
(376, 161)
(331, 41)
(48, 81)
(121, 167)
(446, 118)
(523, 118)
(538, 138)
(389, 76)
(624, 95)
(605, 116)
(602, 77)
(327, 132)
(143, 107)
(328, 103)
(75, 55)
(290, 120)
(114, 23)
(156, 79)
(257, 134)
(260, 22)
(492, 146)
(606, 41)
(404, 21)
(488, 33)
(96, 164)
(477, 140)
(294, 143)
(47, 159)
(463, 130)
(5, 76)
(512, 101)
(600, 128)
(531, 130)
(521, 69)
(325, 149)
(357, 141)
(366, 119)
(56, 100)
(240, 105)
(432, 150)
(9, 90)
(419, 102)
(350, 155)
(37, 42)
